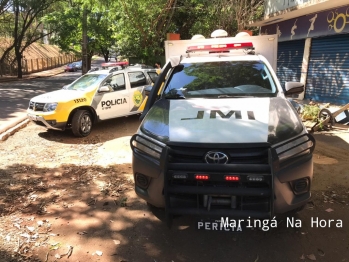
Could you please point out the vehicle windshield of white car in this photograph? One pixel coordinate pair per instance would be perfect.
(86, 81)
(223, 79)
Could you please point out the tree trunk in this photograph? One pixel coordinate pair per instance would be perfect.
(89, 59)
(19, 63)
(105, 53)
(85, 62)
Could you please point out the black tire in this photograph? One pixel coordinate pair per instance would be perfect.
(324, 113)
(82, 123)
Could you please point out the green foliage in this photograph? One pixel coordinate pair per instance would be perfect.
(22, 21)
(68, 25)
(141, 26)
(135, 28)
(311, 112)
(192, 17)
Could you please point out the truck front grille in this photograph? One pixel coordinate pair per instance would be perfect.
(249, 155)
(251, 195)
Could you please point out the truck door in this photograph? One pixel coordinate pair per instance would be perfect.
(115, 102)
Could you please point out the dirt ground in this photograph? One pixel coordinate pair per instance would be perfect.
(71, 199)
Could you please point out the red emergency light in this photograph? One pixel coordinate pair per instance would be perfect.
(232, 178)
(219, 47)
(202, 177)
(110, 64)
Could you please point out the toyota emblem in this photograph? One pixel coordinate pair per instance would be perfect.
(214, 157)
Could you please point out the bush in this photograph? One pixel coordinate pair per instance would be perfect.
(310, 112)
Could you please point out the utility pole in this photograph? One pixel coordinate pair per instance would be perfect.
(84, 42)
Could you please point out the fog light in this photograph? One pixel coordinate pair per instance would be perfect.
(142, 180)
(52, 122)
(300, 186)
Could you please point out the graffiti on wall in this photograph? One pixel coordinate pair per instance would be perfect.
(337, 21)
(324, 23)
(328, 78)
(286, 68)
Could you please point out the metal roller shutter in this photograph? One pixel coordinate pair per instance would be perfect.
(289, 64)
(328, 72)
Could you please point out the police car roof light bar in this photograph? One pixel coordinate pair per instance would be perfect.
(220, 47)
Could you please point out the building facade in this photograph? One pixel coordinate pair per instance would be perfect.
(313, 45)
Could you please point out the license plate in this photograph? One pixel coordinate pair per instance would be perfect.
(219, 225)
(32, 117)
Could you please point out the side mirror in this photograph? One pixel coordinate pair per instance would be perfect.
(147, 90)
(65, 87)
(104, 89)
(293, 88)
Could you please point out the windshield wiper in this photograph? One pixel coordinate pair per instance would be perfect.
(227, 96)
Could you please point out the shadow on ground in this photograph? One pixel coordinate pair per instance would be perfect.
(60, 194)
(102, 131)
(94, 209)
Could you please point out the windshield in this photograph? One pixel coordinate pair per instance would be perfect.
(220, 80)
(86, 81)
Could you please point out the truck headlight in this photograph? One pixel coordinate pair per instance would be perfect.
(303, 145)
(147, 146)
(50, 107)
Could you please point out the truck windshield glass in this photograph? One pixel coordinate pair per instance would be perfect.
(220, 80)
(86, 81)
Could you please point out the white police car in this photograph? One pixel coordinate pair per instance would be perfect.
(95, 96)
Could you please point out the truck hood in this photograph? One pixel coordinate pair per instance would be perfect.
(58, 96)
(228, 120)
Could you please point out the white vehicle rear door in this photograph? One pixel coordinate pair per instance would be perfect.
(138, 82)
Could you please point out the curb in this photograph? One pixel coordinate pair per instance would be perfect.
(13, 127)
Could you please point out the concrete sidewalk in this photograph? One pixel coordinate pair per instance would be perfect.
(46, 73)
(10, 127)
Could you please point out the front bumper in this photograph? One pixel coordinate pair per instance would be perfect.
(170, 182)
(50, 124)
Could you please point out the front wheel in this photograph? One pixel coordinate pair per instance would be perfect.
(82, 123)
